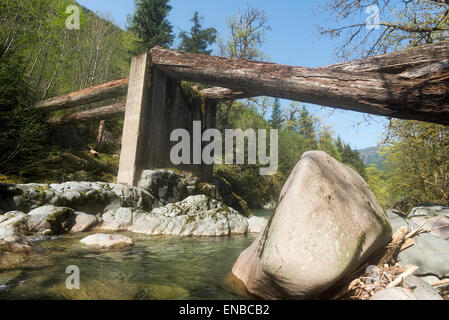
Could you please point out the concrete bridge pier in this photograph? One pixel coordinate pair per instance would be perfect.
(155, 106)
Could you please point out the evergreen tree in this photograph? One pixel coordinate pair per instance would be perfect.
(150, 23)
(276, 120)
(198, 39)
(306, 124)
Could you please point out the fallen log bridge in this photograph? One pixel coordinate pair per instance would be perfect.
(408, 84)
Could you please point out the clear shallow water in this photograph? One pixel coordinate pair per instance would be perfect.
(156, 267)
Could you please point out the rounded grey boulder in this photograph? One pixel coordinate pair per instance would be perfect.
(326, 224)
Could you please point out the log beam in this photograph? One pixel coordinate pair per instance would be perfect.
(116, 89)
(424, 99)
(109, 90)
(397, 62)
(102, 113)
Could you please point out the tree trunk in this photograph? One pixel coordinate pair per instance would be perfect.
(383, 94)
(100, 136)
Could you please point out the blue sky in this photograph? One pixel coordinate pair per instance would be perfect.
(293, 40)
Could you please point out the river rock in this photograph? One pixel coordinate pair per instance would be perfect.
(256, 224)
(119, 219)
(195, 216)
(107, 241)
(421, 289)
(50, 219)
(89, 197)
(429, 211)
(170, 186)
(326, 224)
(434, 219)
(429, 252)
(84, 222)
(11, 223)
(395, 293)
(167, 186)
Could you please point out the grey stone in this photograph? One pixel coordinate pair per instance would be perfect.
(195, 216)
(326, 224)
(84, 222)
(117, 219)
(107, 241)
(256, 224)
(395, 293)
(57, 219)
(429, 253)
(88, 197)
(421, 289)
(438, 226)
(429, 211)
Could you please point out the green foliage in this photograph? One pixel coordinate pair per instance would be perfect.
(380, 185)
(23, 131)
(199, 39)
(417, 154)
(351, 157)
(247, 35)
(306, 124)
(150, 23)
(276, 120)
(45, 59)
(293, 142)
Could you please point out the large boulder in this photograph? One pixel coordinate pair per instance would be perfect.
(168, 186)
(171, 186)
(326, 224)
(195, 216)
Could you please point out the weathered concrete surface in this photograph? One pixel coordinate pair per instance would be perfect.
(327, 222)
(135, 116)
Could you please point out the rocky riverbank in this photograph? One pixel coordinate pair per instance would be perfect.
(167, 202)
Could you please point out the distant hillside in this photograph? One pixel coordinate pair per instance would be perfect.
(371, 156)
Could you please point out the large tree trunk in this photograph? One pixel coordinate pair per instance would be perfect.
(377, 93)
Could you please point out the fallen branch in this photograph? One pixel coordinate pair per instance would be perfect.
(410, 271)
(441, 283)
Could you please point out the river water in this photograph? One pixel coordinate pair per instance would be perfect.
(156, 267)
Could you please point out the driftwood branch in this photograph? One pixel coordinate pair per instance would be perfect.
(410, 271)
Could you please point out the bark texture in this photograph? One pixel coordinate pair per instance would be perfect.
(374, 92)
